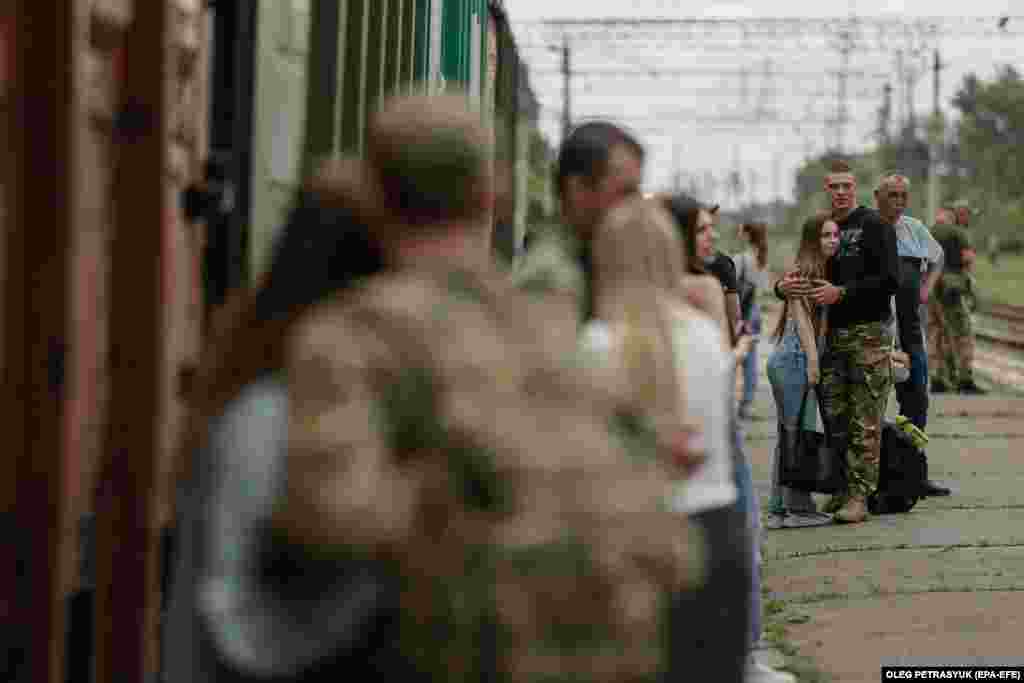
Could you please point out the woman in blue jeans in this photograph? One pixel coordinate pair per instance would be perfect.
(751, 278)
(793, 364)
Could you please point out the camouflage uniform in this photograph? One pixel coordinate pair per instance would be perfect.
(430, 428)
(856, 378)
(556, 268)
(953, 348)
(939, 352)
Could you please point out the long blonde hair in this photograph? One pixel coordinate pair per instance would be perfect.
(638, 271)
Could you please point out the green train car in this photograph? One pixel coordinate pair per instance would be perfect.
(319, 67)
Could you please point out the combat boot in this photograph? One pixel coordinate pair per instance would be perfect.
(969, 387)
(854, 512)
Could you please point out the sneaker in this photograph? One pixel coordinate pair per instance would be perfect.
(796, 520)
(775, 521)
(761, 673)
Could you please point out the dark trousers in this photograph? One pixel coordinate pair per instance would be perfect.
(912, 394)
(709, 626)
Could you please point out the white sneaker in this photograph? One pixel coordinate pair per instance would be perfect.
(759, 673)
(797, 520)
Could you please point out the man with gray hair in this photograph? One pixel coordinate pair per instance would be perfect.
(918, 252)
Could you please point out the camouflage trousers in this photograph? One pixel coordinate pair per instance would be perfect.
(951, 332)
(856, 378)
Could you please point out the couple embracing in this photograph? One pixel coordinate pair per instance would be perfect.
(833, 336)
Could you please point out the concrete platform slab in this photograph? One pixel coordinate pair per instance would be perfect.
(850, 638)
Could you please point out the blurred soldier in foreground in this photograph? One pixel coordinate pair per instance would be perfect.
(434, 429)
(954, 370)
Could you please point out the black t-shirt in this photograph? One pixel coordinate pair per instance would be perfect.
(868, 266)
(724, 269)
(953, 239)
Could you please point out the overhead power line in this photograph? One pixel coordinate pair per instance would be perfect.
(649, 90)
(670, 72)
(702, 118)
(767, 35)
(974, 25)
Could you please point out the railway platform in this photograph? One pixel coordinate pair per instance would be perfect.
(944, 581)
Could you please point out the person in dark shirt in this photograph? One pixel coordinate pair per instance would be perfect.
(700, 241)
(856, 374)
(722, 267)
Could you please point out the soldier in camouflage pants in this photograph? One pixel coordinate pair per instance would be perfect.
(954, 333)
(855, 383)
(955, 293)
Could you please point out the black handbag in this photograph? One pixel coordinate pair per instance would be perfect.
(811, 461)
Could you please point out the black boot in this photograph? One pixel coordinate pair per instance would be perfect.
(970, 388)
(939, 387)
(930, 488)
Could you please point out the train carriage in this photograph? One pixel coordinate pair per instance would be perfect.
(255, 93)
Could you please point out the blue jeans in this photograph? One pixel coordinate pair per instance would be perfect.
(747, 504)
(912, 394)
(750, 369)
(787, 373)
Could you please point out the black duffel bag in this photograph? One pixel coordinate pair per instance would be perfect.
(902, 471)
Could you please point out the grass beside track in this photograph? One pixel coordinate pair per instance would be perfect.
(1003, 283)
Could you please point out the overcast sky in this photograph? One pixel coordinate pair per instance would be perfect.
(778, 77)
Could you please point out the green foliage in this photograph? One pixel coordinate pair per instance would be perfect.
(810, 178)
(986, 161)
(990, 134)
(810, 184)
(1003, 283)
(540, 180)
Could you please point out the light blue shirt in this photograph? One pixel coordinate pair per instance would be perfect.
(914, 239)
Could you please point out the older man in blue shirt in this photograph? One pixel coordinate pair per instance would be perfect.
(921, 260)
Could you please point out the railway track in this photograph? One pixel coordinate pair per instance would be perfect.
(1001, 324)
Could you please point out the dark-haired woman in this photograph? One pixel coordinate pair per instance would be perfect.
(696, 225)
(232, 616)
(794, 364)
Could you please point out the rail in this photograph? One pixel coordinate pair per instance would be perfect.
(1002, 324)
